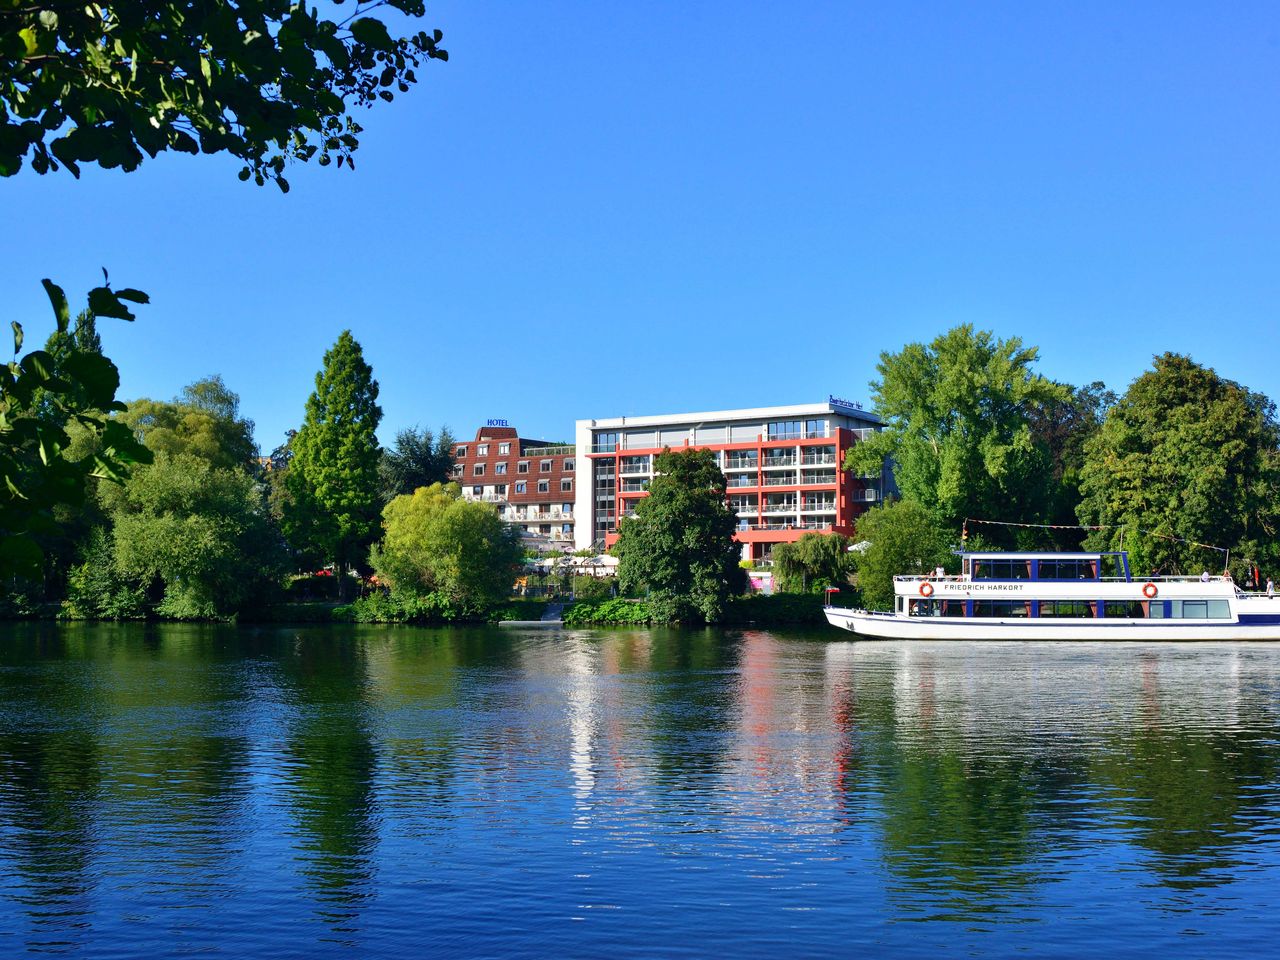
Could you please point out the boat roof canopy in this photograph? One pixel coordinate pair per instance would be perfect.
(1042, 555)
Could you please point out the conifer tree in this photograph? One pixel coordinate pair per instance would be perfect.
(333, 504)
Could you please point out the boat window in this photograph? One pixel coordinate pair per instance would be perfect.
(1066, 608)
(953, 608)
(1077, 569)
(1130, 609)
(1200, 609)
(1219, 609)
(1158, 608)
(1001, 608)
(1002, 569)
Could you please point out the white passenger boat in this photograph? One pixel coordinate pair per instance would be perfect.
(1063, 596)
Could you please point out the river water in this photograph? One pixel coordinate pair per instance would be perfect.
(347, 792)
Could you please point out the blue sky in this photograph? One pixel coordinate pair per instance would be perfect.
(603, 209)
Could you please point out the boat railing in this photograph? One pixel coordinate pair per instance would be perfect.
(961, 578)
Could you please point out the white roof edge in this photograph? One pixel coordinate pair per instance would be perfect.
(747, 413)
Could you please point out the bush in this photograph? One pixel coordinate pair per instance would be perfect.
(780, 608)
(617, 610)
(592, 589)
(521, 609)
(393, 608)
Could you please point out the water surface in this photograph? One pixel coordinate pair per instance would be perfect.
(344, 792)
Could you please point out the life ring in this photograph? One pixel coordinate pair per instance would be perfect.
(1149, 590)
(926, 589)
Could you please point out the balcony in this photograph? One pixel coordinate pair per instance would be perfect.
(634, 486)
(534, 516)
(780, 506)
(741, 480)
(789, 461)
(743, 464)
(780, 480)
(818, 506)
(553, 451)
(819, 460)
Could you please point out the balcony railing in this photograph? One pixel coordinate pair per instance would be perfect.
(557, 450)
(821, 460)
(780, 461)
(818, 506)
(780, 480)
(741, 464)
(784, 506)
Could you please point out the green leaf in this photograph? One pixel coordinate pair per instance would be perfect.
(372, 32)
(104, 302)
(59, 301)
(96, 374)
(38, 364)
(17, 336)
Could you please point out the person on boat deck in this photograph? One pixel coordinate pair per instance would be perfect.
(1204, 576)
(1271, 589)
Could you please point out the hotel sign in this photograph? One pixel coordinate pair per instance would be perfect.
(842, 402)
(496, 422)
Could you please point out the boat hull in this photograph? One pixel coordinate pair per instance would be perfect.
(887, 626)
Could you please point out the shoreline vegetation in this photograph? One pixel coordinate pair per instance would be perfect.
(174, 515)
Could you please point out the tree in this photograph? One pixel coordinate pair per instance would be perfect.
(811, 564)
(436, 542)
(903, 538)
(1062, 427)
(417, 460)
(958, 417)
(1185, 453)
(41, 394)
(266, 81)
(198, 531)
(679, 546)
(203, 421)
(332, 482)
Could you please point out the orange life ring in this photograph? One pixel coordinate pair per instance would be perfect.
(1149, 590)
(926, 589)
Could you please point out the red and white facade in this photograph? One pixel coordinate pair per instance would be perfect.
(782, 464)
(531, 482)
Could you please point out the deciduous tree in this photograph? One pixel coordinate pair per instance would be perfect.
(902, 537)
(679, 546)
(1185, 453)
(958, 415)
(812, 563)
(266, 81)
(436, 542)
(418, 459)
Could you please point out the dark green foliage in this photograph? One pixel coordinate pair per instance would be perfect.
(1063, 427)
(813, 563)
(1185, 453)
(615, 611)
(332, 503)
(417, 460)
(904, 538)
(586, 587)
(42, 396)
(780, 608)
(96, 590)
(267, 81)
(958, 417)
(678, 549)
(198, 534)
(379, 607)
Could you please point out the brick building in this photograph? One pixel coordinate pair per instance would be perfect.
(783, 466)
(532, 482)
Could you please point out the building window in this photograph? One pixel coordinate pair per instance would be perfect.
(566, 486)
(482, 450)
(545, 466)
(568, 507)
(520, 486)
(568, 465)
(477, 491)
(815, 428)
(605, 443)
(461, 452)
(566, 528)
(784, 430)
(500, 469)
(504, 449)
(544, 486)
(522, 466)
(544, 528)
(478, 470)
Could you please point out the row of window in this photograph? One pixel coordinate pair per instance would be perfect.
(1027, 569)
(500, 469)
(1084, 609)
(522, 486)
(522, 466)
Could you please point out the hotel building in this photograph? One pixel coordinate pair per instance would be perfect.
(531, 482)
(782, 464)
